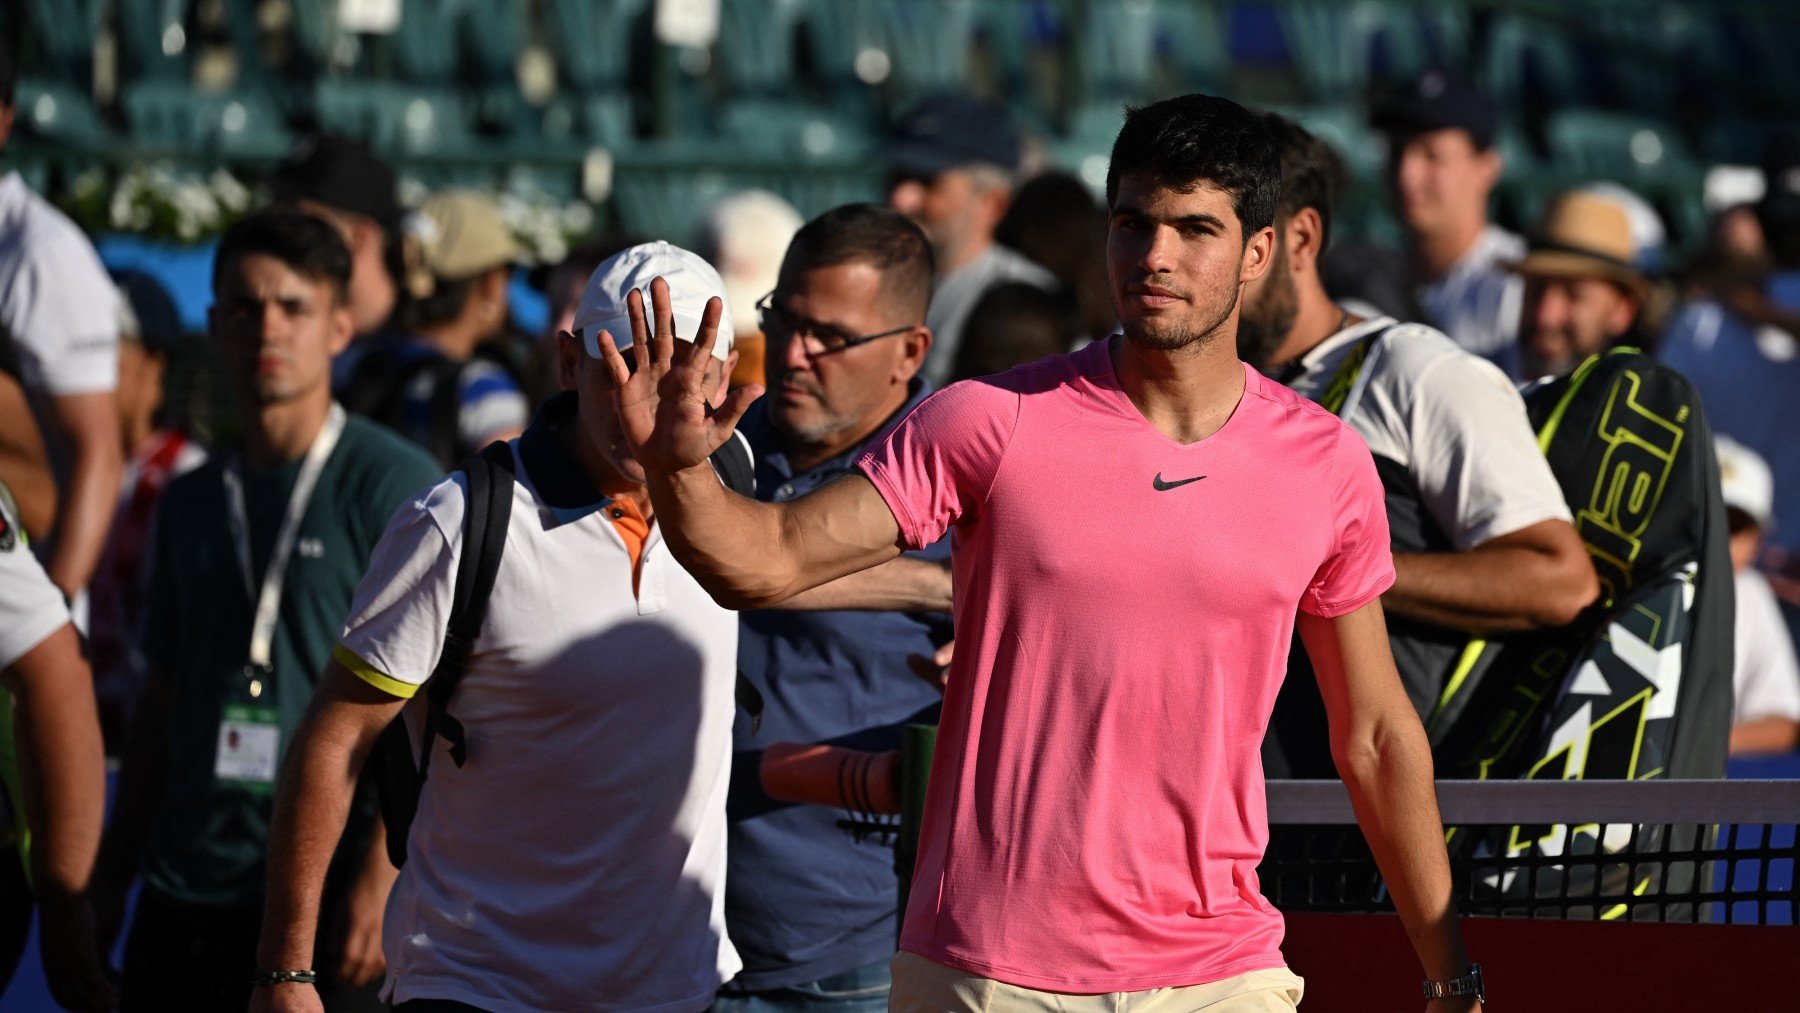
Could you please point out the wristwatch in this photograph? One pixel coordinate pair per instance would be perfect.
(1468, 984)
(263, 977)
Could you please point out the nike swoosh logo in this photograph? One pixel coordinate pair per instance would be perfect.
(1161, 486)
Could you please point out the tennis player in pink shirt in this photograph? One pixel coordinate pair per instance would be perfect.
(1139, 527)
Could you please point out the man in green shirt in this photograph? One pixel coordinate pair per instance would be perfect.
(255, 560)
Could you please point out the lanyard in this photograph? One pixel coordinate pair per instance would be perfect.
(268, 598)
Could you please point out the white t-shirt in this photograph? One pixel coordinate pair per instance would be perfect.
(57, 302)
(31, 608)
(577, 860)
(1454, 422)
(1765, 679)
(1477, 301)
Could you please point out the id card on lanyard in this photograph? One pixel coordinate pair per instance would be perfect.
(250, 725)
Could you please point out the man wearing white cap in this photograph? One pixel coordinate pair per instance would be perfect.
(577, 859)
(1765, 678)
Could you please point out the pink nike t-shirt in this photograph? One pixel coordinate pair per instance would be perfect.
(1124, 605)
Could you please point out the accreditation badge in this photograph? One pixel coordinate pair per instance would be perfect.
(249, 748)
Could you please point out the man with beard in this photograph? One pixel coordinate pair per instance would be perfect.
(810, 904)
(1095, 814)
(1482, 537)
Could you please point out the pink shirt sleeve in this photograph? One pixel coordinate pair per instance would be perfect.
(1361, 564)
(936, 468)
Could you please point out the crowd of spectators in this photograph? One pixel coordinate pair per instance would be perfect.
(255, 610)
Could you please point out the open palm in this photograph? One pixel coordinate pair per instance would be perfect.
(662, 390)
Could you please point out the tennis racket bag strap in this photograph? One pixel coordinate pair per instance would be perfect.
(400, 773)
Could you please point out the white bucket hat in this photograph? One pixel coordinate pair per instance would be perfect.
(691, 280)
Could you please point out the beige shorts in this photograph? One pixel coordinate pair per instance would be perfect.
(926, 986)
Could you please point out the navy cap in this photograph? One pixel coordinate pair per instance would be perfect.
(339, 173)
(1438, 101)
(949, 131)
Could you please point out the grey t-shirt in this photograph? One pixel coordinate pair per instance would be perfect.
(955, 297)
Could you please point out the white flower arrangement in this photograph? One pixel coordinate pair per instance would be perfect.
(159, 201)
(183, 205)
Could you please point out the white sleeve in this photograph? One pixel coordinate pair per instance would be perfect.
(1765, 676)
(1476, 460)
(31, 607)
(64, 315)
(395, 632)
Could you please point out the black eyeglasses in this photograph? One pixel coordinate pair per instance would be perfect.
(778, 325)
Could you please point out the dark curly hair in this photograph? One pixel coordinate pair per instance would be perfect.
(1193, 139)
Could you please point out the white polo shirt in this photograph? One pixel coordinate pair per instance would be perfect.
(577, 860)
(56, 301)
(1453, 421)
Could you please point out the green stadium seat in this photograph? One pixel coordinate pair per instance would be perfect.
(776, 129)
(65, 31)
(756, 46)
(1344, 127)
(1111, 51)
(424, 45)
(1646, 52)
(400, 121)
(1530, 58)
(593, 40)
(174, 117)
(1622, 147)
(1193, 38)
(491, 34)
(910, 47)
(61, 113)
(1333, 44)
(152, 36)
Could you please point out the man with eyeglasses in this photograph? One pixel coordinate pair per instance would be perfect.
(810, 904)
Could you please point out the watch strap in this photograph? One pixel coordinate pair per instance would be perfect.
(1468, 984)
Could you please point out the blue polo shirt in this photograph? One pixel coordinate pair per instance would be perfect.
(804, 899)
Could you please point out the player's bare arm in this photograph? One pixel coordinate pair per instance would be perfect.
(745, 553)
(345, 718)
(1385, 761)
(1533, 578)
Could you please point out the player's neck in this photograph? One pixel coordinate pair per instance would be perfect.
(284, 431)
(1187, 393)
(1316, 319)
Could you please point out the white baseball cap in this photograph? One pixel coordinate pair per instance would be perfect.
(691, 280)
(1749, 485)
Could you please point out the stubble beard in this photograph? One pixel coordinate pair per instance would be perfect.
(1179, 336)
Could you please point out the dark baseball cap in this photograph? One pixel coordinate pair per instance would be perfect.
(949, 131)
(339, 173)
(1439, 101)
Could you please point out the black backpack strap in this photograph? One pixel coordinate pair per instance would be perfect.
(735, 465)
(485, 521)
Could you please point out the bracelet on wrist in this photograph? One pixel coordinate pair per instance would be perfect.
(263, 977)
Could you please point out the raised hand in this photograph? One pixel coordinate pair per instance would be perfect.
(662, 393)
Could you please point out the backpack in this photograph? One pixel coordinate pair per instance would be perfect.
(379, 384)
(399, 773)
(1640, 685)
